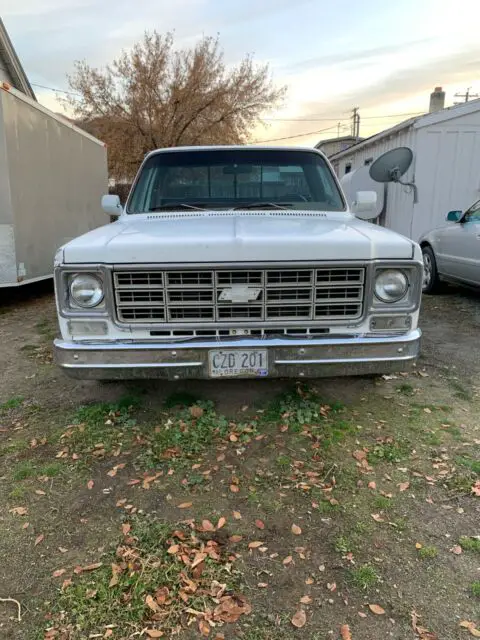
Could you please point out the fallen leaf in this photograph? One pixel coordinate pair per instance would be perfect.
(154, 633)
(39, 539)
(162, 593)
(332, 586)
(207, 525)
(306, 600)
(377, 609)
(58, 573)
(377, 517)
(66, 583)
(309, 580)
(296, 530)
(359, 455)
(62, 549)
(173, 549)
(403, 486)
(88, 567)
(204, 627)
(418, 545)
(345, 632)
(25, 525)
(234, 488)
(151, 604)
(476, 488)
(471, 626)
(287, 560)
(90, 484)
(259, 524)
(221, 522)
(19, 511)
(196, 411)
(361, 614)
(237, 515)
(235, 538)
(126, 528)
(116, 571)
(457, 549)
(371, 485)
(231, 608)
(255, 544)
(39, 492)
(299, 619)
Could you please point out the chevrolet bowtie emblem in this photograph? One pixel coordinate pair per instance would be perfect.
(239, 293)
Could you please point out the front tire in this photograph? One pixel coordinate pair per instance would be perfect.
(431, 281)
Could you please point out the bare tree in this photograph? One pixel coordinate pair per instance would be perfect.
(156, 96)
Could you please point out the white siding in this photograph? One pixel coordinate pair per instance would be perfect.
(446, 170)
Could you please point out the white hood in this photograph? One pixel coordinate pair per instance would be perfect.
(253, 236)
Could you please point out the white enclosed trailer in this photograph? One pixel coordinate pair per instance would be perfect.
(52, 177)
(445, 167)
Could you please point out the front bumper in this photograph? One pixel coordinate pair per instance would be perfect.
(288, 358)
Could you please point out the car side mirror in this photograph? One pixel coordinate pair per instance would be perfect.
(454, 216)
(111, 204)
(365, 204)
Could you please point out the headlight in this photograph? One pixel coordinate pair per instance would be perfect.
(391, 285)
(86, 290)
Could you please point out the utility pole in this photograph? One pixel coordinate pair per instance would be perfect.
(466, 96)
(338, 130)
(356, 123)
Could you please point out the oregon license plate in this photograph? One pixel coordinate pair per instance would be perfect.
(231, 363)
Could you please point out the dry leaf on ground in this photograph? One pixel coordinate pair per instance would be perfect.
(255, 544)
(299, 619)
(471, 626)
(259, 524)
(403, 486)
(39, 539)
(90, 484)
(476, 488)
(19, 511)
(207, 525)
(345, 632)
(296, 530)
(154, 633)
(221, 522)
(196, 411)
(377, 609)
(185, 505)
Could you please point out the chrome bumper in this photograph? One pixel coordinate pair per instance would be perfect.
(322, 357)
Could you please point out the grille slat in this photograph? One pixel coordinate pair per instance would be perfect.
(239, 295)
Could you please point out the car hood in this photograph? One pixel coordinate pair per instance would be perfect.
(258, 236)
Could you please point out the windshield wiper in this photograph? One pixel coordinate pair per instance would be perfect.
(262, 205)
(178, 205)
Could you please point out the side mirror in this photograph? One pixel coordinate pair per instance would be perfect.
(365, 204)
(454, 216)
(111, 205)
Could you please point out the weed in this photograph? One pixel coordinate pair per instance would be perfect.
(433, 439)
(50, 469)
(428, 553)
(363, 528)
(364, 577)
(475, 588)
(382, 503)
(406, 388)
(283, 462)
(24, 470)
(18, 492)
(468, 463)
(470, 544)
(180, 399)
(389, 451)
(460, 391)
(343, 545)
(46, 329)
(14, 447)
(11, 403)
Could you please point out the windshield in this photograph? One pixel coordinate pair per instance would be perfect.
(235, 178)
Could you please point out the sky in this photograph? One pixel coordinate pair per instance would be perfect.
(382, 57)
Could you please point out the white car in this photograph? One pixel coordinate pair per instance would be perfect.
(237, 262)
(452, 252)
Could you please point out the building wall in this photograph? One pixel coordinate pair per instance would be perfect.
(4, 73)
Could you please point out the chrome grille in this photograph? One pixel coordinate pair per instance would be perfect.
(239, 295)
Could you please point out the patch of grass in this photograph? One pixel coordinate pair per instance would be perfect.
(433, 439)
(388, 451)
(11, 403)
(283, 462)
(406, 388)
(51, 469)
(300, 408)
(475, 588)
(364, 577)
(461, 392)
(428, 553)
(18, 492)
(343, 545)
(24, 470)
(91, 601)
(14, 447)
(46, 329)
(470, 544)
(362, 528)
(382, 503)
(468, 463)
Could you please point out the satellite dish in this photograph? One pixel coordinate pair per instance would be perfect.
(391, 166)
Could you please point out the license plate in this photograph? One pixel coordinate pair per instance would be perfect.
(238, 362)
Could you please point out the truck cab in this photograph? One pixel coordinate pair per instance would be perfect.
(237, 262)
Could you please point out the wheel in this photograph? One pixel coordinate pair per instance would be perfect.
(431, 281)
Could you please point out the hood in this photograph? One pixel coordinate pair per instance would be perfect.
(253, 236)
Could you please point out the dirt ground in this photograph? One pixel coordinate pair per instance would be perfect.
(345, 508)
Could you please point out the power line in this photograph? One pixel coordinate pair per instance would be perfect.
(42, 86)
(299, 135)
(340, 119)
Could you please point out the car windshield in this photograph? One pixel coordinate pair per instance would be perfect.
(235, 178)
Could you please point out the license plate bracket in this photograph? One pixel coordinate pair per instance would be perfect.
(235, 363)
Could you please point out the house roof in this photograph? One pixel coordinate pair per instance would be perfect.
(337, 139)
(13, 64)
(417, 122)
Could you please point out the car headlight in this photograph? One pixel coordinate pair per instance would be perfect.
(86, 290)
(391, 285)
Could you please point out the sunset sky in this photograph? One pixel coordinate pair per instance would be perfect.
(383, 57)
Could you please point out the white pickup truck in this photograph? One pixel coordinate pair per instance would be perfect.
(237, 262)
